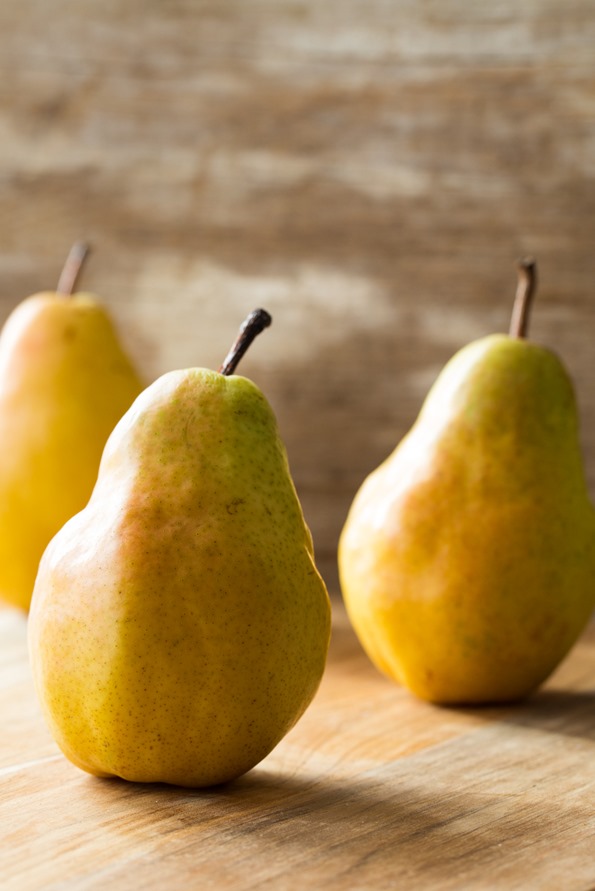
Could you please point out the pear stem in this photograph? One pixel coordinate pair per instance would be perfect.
(527, 282)
(72, 268)
(257, 321)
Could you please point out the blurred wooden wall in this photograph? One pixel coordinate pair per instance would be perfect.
(367, 170)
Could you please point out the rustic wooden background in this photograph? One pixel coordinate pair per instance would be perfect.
(367, 170)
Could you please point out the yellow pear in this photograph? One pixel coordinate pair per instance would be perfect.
(467, 560)
(64, 383)
(179, 626)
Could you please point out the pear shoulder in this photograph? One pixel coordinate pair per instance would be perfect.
(507, 382)
(204, 390)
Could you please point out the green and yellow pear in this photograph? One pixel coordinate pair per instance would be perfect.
(467, 560)
(179, 626)
(64, 383)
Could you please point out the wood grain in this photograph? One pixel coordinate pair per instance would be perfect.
(372, 789)
(368, 170)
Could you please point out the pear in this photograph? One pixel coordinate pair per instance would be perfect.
(467, 560)
(64, 383)
(179, 626)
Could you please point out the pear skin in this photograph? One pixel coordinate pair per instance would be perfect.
(64, 383)
(179, 626)
(467, 560)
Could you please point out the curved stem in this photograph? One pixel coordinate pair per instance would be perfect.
(257, 321)
(72, 268)
(527, 281)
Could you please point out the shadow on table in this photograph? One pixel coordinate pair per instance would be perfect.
(378, 830)
(556, 711)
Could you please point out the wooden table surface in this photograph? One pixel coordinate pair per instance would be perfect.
(371, 790)
(369, 171)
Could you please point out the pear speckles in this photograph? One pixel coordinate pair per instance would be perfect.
(233, 506)
(206, 622)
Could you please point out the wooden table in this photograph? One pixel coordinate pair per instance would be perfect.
(371, 790)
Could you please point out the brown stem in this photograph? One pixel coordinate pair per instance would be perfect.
(72, 268)
(527, 282)
(257, 321)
